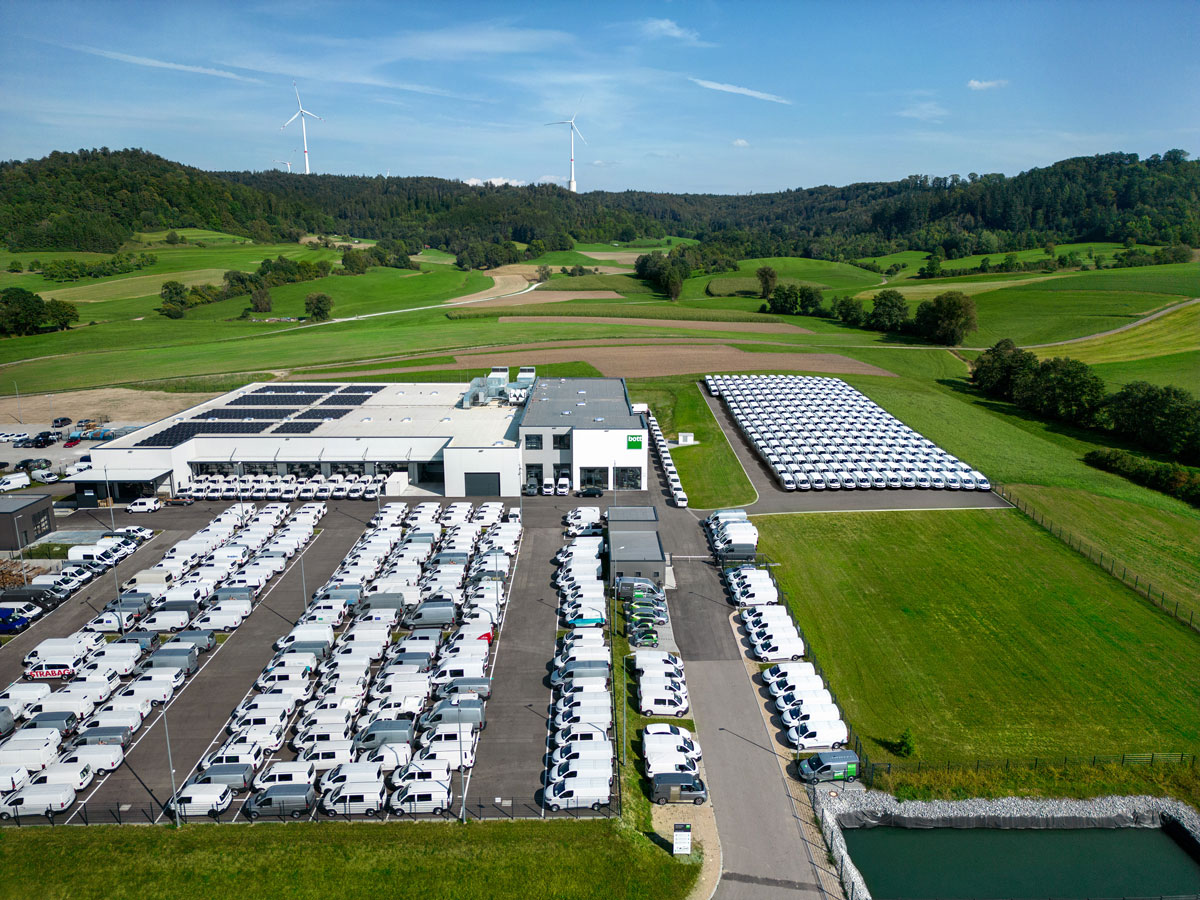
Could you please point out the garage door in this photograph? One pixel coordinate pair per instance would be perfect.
(482, 484)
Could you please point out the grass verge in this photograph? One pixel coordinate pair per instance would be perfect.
(709, 470)
(424, 861)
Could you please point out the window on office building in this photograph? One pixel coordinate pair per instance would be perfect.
(627, 478)
(593, 477)
(562, 441)
(533, 442)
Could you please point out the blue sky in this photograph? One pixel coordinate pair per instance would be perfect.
(673, 96)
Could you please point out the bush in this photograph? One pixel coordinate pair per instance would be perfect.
(1170, 478)
(318, 306)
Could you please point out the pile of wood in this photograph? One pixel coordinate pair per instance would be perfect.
(11, 576)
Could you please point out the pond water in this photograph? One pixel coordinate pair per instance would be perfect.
(926, 864)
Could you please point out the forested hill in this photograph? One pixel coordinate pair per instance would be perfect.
(95, 199)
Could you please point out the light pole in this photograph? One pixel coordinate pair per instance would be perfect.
(21, 549)
(18, 390)
(624, 708)
(171, 766)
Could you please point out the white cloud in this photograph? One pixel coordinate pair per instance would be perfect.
(925, 111)
(976, 85)
(477, 182)
(668, 28)
(161, 64)
(603, 163)
(552, 179)
(737, 89)
(741, 142)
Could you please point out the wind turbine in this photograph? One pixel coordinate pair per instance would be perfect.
(285, 162)
(574, 131)
(300, 113)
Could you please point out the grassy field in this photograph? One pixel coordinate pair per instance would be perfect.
(1179, 369)
(984, 635)
(622, 284)
(1175, 332)
(1164, 543)
(827, 275)
(710, 471)
(423, 861)
(557, 258)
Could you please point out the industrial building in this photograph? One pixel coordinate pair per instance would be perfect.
(485, 438)
(25, 518)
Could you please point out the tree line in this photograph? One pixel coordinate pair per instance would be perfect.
(1163, 420)
(74, 269)
(95, 199)
(177, 298)
(1168, 477)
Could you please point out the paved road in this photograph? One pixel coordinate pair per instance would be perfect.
(774, 499)
(763, 854)
(510, 759)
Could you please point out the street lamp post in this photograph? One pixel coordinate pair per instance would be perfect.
(18, 390)
(171, 766)
(624, 708)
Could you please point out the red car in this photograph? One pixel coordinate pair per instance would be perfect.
(73, 442)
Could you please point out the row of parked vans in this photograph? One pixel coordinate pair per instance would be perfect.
(21, 607)
(663, 451)
(285, 488)
(579, 770)
(767, 623)
(210, 581)
(732, 535)
(580, 583)
(80, 731)
(358, 713)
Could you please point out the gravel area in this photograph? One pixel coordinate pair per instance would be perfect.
(866, 809)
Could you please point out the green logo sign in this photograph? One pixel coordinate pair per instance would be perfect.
(633, 442)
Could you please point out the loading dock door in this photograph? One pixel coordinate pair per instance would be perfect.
(482, 484)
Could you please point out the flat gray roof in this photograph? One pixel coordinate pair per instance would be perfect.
(579, 403)
(16, 502)
(632, 514)
(635, 546)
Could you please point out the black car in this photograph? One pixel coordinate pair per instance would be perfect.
(42, 443)
(25, 463)
(590, 492)
(3, 464)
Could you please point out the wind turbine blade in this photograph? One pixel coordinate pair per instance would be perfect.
(578, 132)
(310, 115)
(563, 122)
(289, 121)
(297, 90)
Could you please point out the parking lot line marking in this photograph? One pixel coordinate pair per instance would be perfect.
(225, 643)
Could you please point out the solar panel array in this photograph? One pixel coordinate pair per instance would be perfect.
(322, 413)
(303, 388)
(361, 389)
(185, 431)
(295, 427)
(238, 413)
(275, 400)
(344, 400)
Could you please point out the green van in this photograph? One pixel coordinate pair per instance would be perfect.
(829, 765)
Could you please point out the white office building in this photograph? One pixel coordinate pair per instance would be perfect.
(456, 439)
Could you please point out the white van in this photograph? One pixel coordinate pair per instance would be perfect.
(165, 620)
(576, 793)
(355, 798)
(424, 798)
(811, 735)
(103, 758)
(429, 772)
(327, 754)
(286, 773)
(37, 800)
(592, 767)
(350, 773)
(21, 695)
(76, 774)
(32, 755)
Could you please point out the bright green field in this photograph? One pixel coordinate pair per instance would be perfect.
(1076, 305)
(622, 284)
(642, 245)
(568, 258)
(828, 275)
(1178, 369)
(425, 861)
(985, 635)
(1175, 332)
(710, 472)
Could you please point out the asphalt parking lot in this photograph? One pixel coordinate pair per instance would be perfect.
(774, 499)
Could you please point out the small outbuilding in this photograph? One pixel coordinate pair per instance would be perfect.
(24, 518)
(635, 554)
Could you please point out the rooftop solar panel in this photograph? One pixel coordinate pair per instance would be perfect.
(185, 431)
(322, 412)
(294, 400)
(295, 428)
(344, 400)
(272, 413)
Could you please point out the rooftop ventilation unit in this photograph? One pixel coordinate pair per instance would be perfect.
(566, 412)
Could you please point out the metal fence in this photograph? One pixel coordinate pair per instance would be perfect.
(872, 770)
(1180, 610)
(498, 808)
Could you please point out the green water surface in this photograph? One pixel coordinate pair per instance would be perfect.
(992, 863)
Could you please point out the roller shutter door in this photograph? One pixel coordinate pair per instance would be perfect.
(482, 484)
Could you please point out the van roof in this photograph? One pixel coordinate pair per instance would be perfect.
(836, 756)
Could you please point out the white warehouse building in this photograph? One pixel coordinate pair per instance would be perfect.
(456, 439)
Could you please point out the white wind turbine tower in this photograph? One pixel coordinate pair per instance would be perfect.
(574, 131)
(285, 162)
(300, 113)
